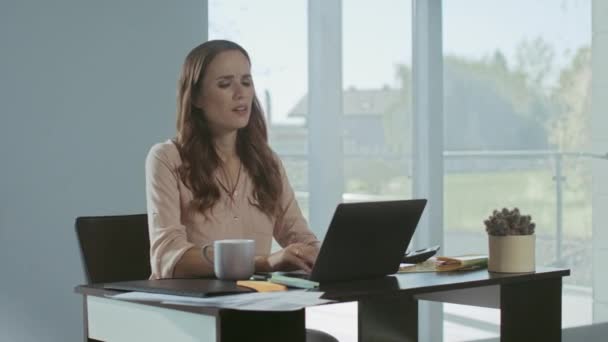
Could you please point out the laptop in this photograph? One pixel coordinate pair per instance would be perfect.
(365, 240)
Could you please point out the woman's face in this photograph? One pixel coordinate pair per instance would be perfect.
(227, 92)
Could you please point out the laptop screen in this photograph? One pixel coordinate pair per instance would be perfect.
(367, 240)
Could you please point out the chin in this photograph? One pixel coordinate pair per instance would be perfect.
(242, 122)
(235, 126)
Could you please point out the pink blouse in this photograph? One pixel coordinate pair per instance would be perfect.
(175, 227)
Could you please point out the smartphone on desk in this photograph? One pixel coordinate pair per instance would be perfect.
(420, 255)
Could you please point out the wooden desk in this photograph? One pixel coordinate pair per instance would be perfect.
(530, 307)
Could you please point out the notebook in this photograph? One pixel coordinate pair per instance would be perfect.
(181, 287)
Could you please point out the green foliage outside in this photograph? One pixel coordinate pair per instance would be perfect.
(469, 197)
(491, 105)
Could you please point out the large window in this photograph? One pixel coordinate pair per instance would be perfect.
(377, 99)
(517, 79)
(278, 47)
(516, 96)
(376, 95)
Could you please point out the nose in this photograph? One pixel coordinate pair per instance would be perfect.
(238, 91)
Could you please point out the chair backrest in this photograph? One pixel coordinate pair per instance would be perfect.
(114, 248)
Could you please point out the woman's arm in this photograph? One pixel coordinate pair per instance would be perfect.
(290, 225)
(291, 229)
(171, 254)
(192, 264)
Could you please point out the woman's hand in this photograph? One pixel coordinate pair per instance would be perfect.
(297, 256)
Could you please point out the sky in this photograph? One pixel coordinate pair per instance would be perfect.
(377, 37)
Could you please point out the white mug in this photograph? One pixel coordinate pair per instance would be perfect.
(232, 259)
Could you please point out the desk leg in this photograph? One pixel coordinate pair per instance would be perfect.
(85, 321)
(234, 325)
(393, 318)
(531, 311)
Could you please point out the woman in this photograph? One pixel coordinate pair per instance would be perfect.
(219, 179)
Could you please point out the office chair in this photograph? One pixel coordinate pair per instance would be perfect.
(117, 248)
(114, 248)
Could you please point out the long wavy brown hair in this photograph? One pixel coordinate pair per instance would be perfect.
(200, 159)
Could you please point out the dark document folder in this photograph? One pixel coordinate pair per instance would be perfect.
(180, 287)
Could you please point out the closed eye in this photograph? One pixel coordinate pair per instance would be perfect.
(226, 81)
(246, 80)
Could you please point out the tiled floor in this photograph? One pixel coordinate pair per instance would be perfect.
(461, 322)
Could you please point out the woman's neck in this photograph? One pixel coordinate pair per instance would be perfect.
(225, 145)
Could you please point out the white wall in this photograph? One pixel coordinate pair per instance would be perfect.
(85, 88)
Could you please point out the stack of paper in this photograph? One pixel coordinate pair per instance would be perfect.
(445, 264)
(257, 301)
(462, 262)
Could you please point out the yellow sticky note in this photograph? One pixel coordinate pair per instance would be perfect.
(261, 286)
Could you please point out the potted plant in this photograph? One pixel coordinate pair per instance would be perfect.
(511, 241)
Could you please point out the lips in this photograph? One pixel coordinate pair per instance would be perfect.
(242, 109)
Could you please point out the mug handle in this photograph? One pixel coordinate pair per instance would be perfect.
(204, 253)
